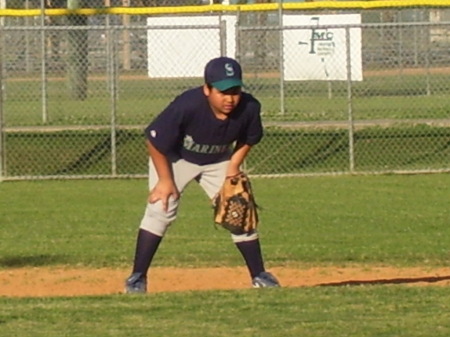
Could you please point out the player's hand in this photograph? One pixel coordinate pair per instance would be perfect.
(162, 192)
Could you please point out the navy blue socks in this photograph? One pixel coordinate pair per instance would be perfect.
(146, 246)
(251, 252)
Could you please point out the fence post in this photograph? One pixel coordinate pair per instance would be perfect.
(2, 145)
(2, 152)
(223, 36)
(349, 102)
(112, 81)
(43, 66)
(281, 55)
(427, 55)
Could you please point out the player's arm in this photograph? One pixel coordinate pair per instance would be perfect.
(165, 187)
(237, 158)
(245, 142)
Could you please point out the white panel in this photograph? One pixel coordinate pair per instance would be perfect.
(184, 52)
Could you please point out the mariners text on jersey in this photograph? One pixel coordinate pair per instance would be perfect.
(190, 145)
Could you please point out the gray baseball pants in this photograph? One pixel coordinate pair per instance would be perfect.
(210, 177)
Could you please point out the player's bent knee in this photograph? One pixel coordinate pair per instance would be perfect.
(245, 237)
(156, 220)
(154, 226)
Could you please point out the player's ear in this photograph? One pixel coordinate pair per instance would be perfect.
(206, 89)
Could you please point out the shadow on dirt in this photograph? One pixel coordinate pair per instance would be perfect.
(31, 261)
(402, 280)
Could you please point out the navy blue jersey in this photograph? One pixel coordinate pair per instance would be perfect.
(189, 129)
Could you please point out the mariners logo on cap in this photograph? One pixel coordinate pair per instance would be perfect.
(229, 70)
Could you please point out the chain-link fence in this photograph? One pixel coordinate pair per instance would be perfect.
(341, 91)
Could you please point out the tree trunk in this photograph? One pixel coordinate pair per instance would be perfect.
(77, 61)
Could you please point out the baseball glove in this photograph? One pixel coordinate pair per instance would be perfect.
(234, 206)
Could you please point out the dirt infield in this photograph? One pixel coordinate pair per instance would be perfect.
(61, 281)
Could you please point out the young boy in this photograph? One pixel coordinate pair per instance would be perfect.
(203, 135)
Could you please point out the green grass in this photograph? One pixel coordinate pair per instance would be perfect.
(312, 312)
(322, 221)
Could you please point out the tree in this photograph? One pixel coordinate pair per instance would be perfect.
(77, 43)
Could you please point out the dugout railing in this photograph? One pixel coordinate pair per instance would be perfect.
(367, 96)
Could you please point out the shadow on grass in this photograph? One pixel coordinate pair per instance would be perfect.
(32, 261)
(404, 280)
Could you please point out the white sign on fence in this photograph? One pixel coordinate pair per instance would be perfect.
(319, 53)
(184, 52)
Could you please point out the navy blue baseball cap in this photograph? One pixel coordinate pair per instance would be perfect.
(223, 73)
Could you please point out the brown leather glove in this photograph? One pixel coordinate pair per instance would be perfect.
(235, 208)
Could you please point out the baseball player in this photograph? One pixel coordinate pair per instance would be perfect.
(204, 134)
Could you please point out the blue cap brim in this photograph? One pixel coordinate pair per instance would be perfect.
(227, 84)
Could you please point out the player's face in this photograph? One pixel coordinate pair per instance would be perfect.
(222, 102)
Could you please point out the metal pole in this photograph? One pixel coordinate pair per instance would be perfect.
(2, 6)
(43, 66)
(237, 37)
(113, 95)
(112, 77)
(400, 41)
(427, 55)
(223, 36)
(27, 40)
(415, 37)
(2, 145)
(349, 103)
(281, 56)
